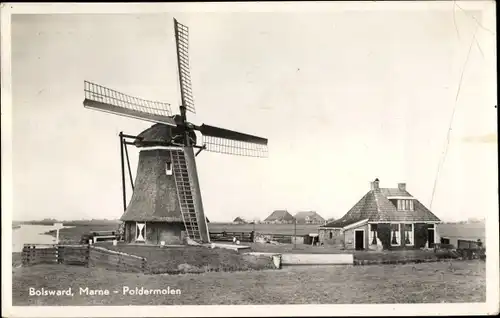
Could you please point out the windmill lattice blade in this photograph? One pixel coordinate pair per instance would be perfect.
(213, 131)
(182, 44)
(234, 147)
(107, 100)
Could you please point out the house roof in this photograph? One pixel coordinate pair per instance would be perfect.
(300, 216)
(238, 219)
(375, 207)
(279, 215)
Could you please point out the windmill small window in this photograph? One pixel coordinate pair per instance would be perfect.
(168, 168)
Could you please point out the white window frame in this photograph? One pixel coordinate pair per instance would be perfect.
(405, 205)
(434, 230)
(412, 235)
(370, 233)
(136, 232)
(398, 235)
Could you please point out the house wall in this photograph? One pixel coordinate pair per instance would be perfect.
(170, 232)
(416, 239)
(438, 236)
(349, 237)
(337, 239)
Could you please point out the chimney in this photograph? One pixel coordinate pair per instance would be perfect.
(402, 186)
(375, 184)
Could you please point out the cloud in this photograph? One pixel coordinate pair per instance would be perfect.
(484, 139)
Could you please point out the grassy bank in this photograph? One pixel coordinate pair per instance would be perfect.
(194, 259)
(419, 283)
(73, 234)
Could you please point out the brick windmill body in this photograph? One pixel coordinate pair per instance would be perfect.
(166, 203)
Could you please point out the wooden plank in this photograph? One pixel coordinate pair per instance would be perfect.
(114, 252)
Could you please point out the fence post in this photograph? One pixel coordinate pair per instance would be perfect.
(32, 254)
(87, 256)
(59, 254)
(143, 265)
(25, 256)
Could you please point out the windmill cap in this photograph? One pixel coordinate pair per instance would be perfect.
(158, 134)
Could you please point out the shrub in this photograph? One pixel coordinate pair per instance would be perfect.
(420, 235)
(384, 234)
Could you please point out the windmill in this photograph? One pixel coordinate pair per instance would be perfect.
(166, 199)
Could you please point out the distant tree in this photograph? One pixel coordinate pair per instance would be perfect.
(329, 220)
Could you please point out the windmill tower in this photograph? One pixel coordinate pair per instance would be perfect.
(166, 200)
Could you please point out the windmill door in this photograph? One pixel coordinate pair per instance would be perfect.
(140, 231)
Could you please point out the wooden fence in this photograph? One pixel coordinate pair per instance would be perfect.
(55, 254)
(467, 244)
(118, 261)
(83, 255)
(228, 236)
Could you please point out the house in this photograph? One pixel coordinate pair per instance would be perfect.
(309, 217)
(280, 217)
(239, 220)
(391, 217)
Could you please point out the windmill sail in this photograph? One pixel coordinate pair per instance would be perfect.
(182, 44)
(232, 142)
(107, 100)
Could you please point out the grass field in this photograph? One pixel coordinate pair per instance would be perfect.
(74, 233)
(197, 258)
(419, 283)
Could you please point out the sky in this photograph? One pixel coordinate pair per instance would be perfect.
(344, 97)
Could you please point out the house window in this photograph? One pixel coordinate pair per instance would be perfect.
(395, 234)
(168, 168)
(405, 205)
(408, 232)
(331, 235)
(372, 235)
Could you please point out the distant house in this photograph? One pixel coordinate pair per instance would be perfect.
(280, 217)
(309, 217)
(239, 220)
(391, 216)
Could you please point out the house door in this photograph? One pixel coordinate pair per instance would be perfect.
(430, 237)
(140, 232)
(359, 240)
